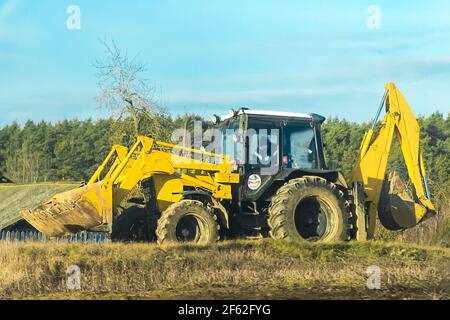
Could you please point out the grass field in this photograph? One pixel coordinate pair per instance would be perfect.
(413, 264)
(231, 270)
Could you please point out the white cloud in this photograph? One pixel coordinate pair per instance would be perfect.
(260, 96)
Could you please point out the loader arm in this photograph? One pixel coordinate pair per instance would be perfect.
(149, 157)
(371, 166)
(94, 205)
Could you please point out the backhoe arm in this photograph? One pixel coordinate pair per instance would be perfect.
(370, 169)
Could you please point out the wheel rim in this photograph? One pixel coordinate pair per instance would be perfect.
(313, 218)
(190, 228)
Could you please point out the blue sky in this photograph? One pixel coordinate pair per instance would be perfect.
(208, 56)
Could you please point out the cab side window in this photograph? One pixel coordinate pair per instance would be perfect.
(300, 147)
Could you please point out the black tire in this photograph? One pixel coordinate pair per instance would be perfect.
(310, 208)
(188, 221)
(134, 225)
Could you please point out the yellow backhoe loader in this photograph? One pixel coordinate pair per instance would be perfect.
(272, 181)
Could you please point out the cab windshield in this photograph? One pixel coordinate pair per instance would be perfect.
(232, 143)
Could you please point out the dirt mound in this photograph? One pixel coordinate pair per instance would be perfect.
(15, 198)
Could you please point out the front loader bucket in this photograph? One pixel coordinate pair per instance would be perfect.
(69, 212)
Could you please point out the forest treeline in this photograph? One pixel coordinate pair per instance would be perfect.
(72, 149)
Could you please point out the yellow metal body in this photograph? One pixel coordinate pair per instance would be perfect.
(371, 165)
(94, 204)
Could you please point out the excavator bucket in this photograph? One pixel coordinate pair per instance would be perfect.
(397, 210)
(70, 212)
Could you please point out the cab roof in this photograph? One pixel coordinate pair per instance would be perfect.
(287, 115)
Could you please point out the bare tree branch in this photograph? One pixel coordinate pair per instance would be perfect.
(123, 88)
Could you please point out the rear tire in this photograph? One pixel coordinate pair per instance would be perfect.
(310, 208)
(188, 221)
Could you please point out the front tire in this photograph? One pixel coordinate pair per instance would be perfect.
(312, 209)
(134, 225)
(188, 221)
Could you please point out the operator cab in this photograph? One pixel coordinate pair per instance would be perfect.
(268, 148)
(271, 139)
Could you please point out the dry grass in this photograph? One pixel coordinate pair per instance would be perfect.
(259, 269)
(239, 269)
